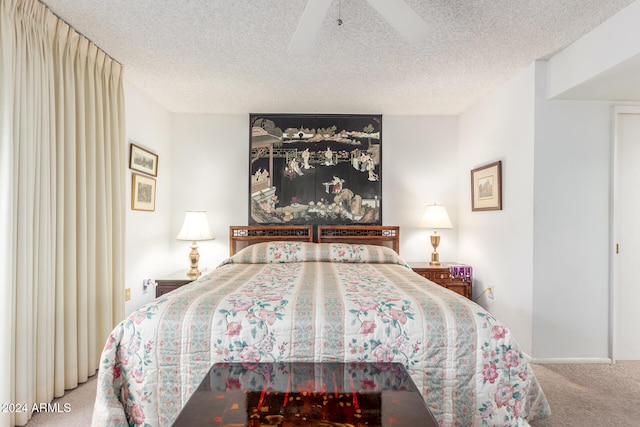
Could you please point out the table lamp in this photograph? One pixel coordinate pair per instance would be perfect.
(195, 228)
(435, 216)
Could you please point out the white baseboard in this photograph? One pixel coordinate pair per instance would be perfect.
(567, 360)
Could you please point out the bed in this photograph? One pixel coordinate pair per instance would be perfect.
(341, 294)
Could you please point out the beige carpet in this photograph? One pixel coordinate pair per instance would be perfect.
(80, 403)
(593, 395)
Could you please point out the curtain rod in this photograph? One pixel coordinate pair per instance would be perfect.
(74, 29)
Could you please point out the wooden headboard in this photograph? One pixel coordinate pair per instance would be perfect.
(382, 235)
(241, 236)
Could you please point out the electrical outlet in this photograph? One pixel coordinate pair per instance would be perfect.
(127, 294)
(145, 285)
(490, 291)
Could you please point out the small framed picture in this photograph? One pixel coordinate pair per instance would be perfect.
(142, 160)
(486, 187)
(143, 193)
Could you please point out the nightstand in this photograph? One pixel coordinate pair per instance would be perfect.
(441, 274)
(172, 281)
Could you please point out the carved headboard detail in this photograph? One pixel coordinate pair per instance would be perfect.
(241, 236)
(383, 235)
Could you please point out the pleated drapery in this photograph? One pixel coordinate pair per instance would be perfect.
(62, 205)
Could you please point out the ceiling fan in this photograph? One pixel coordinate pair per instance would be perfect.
(398, 14)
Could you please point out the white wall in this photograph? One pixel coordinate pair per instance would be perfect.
(499, 244)
(573, 173)
(547, 252)
(210, 157)
(419, 155)
(571, 248)
(147, 246)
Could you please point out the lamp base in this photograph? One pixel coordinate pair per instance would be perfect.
(194, 257)
(435, 241)
(193, 274)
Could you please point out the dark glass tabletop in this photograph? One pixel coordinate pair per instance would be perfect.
(306, 394)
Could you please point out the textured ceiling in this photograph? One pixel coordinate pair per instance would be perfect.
(230, 56)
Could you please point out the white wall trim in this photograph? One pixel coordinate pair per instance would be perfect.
(612, 234)
(570, 360)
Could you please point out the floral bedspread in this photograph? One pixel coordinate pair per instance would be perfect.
(305, 302)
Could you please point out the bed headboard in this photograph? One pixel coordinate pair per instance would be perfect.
(241, 236)
(382, 235)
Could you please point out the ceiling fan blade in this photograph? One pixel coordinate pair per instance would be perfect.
(400, 16)
(308, 26)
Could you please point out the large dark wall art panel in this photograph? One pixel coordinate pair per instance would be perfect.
(315, 169)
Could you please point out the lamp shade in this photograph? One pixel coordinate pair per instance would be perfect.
(195, 227)
(435, 216)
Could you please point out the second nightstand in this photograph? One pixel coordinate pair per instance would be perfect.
(171, 282)
(441, 274)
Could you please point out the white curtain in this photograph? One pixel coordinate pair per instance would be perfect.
(62, 205)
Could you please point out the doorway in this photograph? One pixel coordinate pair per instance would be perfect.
(625, 301)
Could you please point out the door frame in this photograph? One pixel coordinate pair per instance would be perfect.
(613, 231)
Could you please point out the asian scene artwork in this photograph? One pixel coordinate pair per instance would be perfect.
(315, 169)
